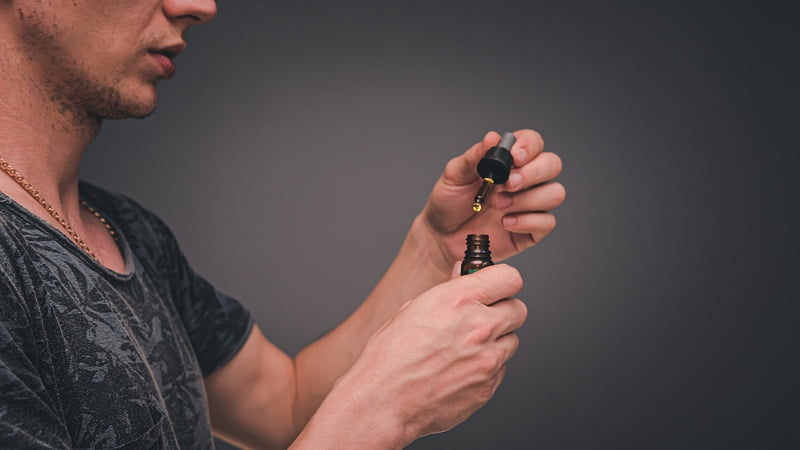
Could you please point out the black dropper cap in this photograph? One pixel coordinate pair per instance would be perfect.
(494, 168)
(498, 161)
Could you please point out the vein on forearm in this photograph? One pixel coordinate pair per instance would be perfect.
(418, 266)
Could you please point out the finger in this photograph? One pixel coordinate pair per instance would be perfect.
(463, 169)
(497, 379)
(523, 241)
(456, 272)
(529, 144)
(507, 345)
(404, 306)
(488, 285)
(544, 197)
(509, 314)
(545, 167)
(537, 225)
(505, 348)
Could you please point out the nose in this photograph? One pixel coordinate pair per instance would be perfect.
(199, 11)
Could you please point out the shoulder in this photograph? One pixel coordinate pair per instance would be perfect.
(124, 211)
(119, 207)
(145, 231)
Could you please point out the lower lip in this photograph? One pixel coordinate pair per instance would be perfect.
(166, 64)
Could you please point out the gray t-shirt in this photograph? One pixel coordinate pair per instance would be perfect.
(94, 358)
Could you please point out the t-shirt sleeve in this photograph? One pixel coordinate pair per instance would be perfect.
(217, 324)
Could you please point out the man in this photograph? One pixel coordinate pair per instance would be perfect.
(109, 339)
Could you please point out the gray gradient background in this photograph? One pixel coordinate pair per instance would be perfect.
(299, 140)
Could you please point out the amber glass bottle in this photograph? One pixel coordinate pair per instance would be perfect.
(477, 255)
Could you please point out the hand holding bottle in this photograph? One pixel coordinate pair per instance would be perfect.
(438, 360)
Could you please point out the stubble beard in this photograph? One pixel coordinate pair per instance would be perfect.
(88, 97)
(75, 92)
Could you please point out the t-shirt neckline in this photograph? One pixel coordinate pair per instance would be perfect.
(69, 245)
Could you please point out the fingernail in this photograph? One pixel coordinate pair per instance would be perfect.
(502, 201)
(519, 154)
(514, 180)
(509, 220)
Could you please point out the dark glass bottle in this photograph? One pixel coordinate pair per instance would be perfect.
(477, 255)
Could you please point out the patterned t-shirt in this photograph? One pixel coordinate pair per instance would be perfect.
(94, 358)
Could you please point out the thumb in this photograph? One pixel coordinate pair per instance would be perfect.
(462, 170)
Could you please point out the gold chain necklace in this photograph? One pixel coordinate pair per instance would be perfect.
(16, 176)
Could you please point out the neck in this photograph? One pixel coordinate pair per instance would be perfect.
(40, 135)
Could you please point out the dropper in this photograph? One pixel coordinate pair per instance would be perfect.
(494, 168)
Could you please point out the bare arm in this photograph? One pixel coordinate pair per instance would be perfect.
(429, 367)
(264, 398)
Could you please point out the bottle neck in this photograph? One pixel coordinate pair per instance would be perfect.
(478, 247)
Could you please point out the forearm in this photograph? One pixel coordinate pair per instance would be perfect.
(420, 264)
(349, 417)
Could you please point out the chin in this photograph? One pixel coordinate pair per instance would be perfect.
(124, 105)
(142, 111)
(129, 112)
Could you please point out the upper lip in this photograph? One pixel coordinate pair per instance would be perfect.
(170, 51)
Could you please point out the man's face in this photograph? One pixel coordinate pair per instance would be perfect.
(103, 58)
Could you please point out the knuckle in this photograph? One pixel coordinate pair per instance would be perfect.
(461, 296)
(533, 136)
(481, 289)
(452, 165)
(514, 343)
(536, 172)
(501, 374)
(511, 350)
(485, 392)
(514, 277)
(480, 333)
(489, 365)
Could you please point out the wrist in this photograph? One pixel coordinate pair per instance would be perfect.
(355, 416)
(425, 241)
